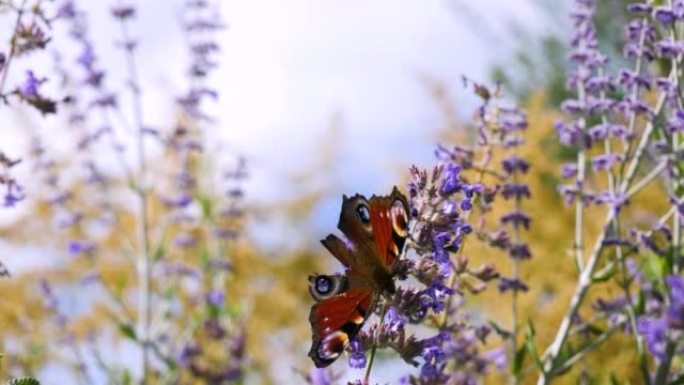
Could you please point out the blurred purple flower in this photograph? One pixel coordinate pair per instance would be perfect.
(29, 89)
(319, 376)
(654, 331)
(216, 298)
(675, 311)
(123, 12)
(506, 283)
(78, 247)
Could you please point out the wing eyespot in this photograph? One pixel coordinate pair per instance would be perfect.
(363, 213)
(325, 286)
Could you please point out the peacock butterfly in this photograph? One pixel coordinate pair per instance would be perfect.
(375, 230)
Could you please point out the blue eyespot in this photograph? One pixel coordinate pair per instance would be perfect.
(363, 213)
(323, 284)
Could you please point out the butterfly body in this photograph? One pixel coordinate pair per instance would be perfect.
(375, 231)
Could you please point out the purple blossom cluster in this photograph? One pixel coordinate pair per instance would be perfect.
(28, 35)
(662, 325)
(438, 276)
(32, 23)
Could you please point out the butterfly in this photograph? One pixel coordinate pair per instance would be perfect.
(375, 230)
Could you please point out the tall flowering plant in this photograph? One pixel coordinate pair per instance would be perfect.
(626, 132)
(146, 215)
(31, 24)
(623, 131)
(425, 322)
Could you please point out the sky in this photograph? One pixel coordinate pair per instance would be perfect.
(292, 69)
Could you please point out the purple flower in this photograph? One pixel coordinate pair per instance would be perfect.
(357, 359)
(394, 318)
(181, 200)
(616, 201)
(451, 182)
(497, 357)
(434, 296)
(629, 78)
(223, 233)
(654, 331)
(519, 251)
(434, 355)
(187, 353)
(29, 89)
(87, 57)
(66, 10)
(676, 122)
(639, 8)
(664, 15)
(515, 284)
(570, 134)
(123, 12)
(517, 219)
(675, 311)
(668, 49)
(600, 83)
(515, 190)
(605, 161)
(216, 298)
(13, 194)
(78, 247)
(185, 240)
(319, 376)
(514, 164)
(568, 170)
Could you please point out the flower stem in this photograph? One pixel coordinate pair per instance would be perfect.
(585, 276)
(143, 264)
(13, 45)
(375, 343)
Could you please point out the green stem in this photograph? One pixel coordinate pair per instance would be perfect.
(374, 348)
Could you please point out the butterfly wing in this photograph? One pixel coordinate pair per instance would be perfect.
(389, 221)
(375, 232)
(376, 229)
(335, 321)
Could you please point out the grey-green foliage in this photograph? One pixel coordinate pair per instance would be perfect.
(540, 62)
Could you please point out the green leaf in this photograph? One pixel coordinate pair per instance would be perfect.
(613, 379)
(595, 330)
(565, 353)
(653, 267)
(518, 360)
(678, 381)
(604, 274)
(204, 256)
(23, 381)
(205, 204)
(127, 379)
(159, 252)
(498, 329)
(640, 306)
(531, 347)
(128, 331)
(529, 329)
